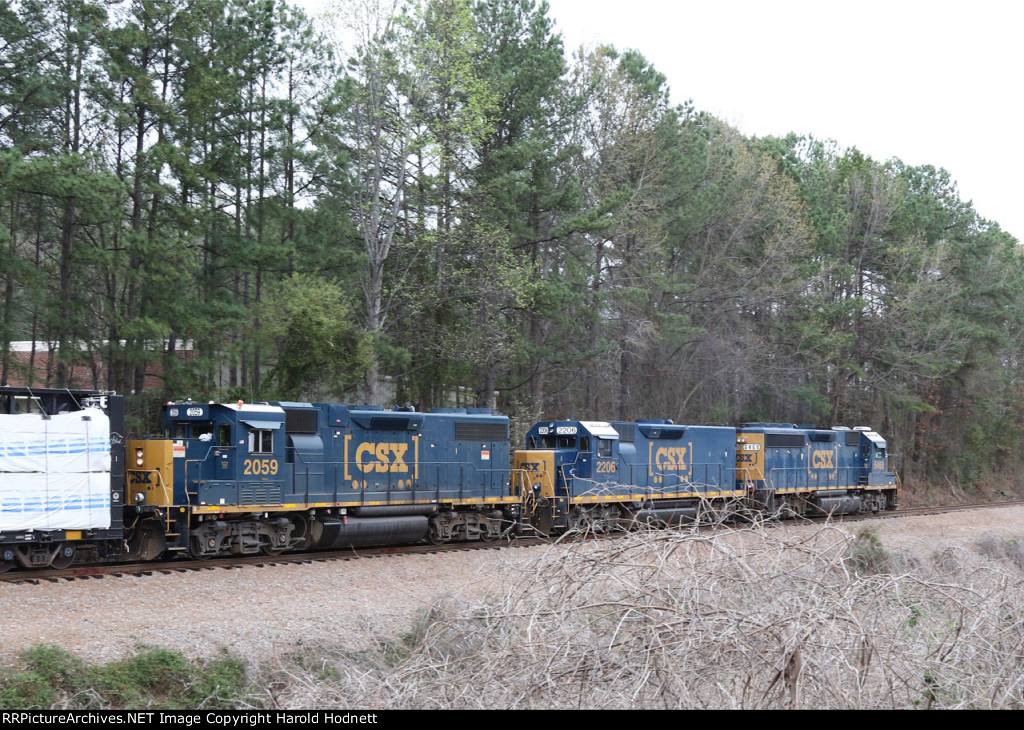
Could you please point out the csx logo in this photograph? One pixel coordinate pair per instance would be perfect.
(822, 460)
(671, 458)
(139, 477)
(530, 466)
(382, 457)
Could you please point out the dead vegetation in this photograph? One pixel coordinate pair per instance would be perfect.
(752, 618)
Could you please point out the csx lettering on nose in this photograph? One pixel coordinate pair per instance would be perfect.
(822, 460)
(671, 458)
(382, 457)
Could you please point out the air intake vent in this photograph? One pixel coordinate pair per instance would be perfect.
(300, 421)
(784, 441)
(476, 431)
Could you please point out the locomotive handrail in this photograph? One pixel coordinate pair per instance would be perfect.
(798, 477)
(390, 488)
(700, 476)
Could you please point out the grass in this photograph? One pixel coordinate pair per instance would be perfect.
(50, 677)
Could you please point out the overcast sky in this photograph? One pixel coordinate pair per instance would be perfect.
(934, 82)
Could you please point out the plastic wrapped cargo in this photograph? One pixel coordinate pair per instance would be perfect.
(55, 471)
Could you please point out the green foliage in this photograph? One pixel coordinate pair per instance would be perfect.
(473, 212)
(308, 322)
(152, 679)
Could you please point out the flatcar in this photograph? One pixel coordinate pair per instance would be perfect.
(61, 475)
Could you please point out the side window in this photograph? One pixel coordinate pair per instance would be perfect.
(224, 434)
(261, 441)
(585, 444)
(604, 447)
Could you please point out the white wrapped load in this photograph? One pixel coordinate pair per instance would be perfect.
(35, 501)
(55, 472)
(64, 443)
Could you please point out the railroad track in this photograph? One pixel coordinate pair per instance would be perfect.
(179, 565)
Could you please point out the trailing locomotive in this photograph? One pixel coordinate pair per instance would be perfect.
(598, 475)
(233, 479)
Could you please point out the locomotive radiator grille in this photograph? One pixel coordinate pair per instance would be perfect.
(259, 494)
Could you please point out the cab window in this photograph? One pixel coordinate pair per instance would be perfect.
(604, 447)
(261, 441)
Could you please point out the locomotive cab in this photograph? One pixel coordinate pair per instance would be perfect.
(194, 489)
(563, 461)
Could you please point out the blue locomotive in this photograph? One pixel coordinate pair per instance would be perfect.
(596, 475)
(247, 478)
(801, 470)
(587, 473)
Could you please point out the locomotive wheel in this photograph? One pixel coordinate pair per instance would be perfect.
(579, 521)
(147, 541)
(6, 560)
(195, 549)
(64, 557)
(302, 537)
(271, 550)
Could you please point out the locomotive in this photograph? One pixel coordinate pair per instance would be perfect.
(246, 478)
(241, 478)
(596, 475)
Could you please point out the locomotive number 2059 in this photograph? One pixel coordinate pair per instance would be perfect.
(259, 467)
